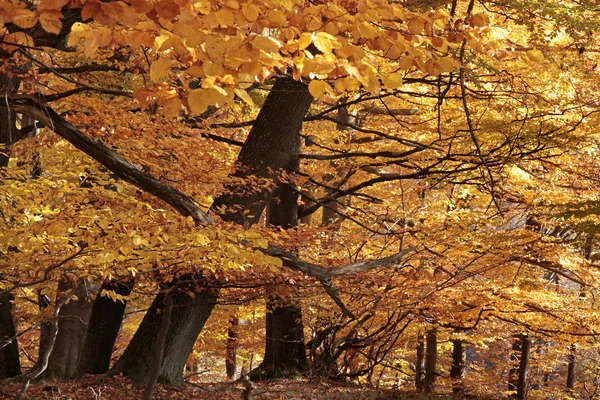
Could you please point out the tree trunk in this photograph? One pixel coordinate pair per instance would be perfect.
(105, 322)
(272, 144)
(187, 319)
(231, 349)
(515, 356)
(571, 368)
(430, 363)
(285, 352)
(518, 374)
(72, 324)
(160, 348)
(420, 364)
(523, 365)
(457, 371)
(10, 364)
(333, 210)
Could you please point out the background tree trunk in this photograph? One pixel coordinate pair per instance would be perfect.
(571, 368)
(101, 334)
(523, 365)
(231, 349)
(430, 362)
(457, 371)
(420, 364)
(9, 354)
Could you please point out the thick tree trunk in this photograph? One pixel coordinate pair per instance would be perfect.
(430, 362)
(9, 351)
(285, 352)
(72, 324)
(420, 364)
(187, 319)
(457, 371)
(160, 348)
(571, 368)
(272, 144)
(105, 322)
(231, 349)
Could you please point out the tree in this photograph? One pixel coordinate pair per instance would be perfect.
(495, 121)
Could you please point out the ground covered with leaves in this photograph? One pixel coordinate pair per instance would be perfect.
(91, 387)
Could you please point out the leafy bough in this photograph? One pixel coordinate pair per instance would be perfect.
(183, 203)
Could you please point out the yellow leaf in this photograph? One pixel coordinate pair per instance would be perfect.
(367, 30)
(137, 240)
(51, 22)
(392, 81)
(416, 25)
(250, 12)
(196, 101)
(446, 64)
(196, 71)
(225, 18)
(287, 4)
(305, 40)
(406, 62)
(277, 18)
(267, 44)
(318, 88)
(535, 55)
(325, 42)
(242, 94)
(159, 69)
(203, 6)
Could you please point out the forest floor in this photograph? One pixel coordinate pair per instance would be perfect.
(122, 389)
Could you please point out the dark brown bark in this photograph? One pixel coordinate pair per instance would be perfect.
(518, 374)
(272, 145)
(9, 351)
(10, 364)
(571, 368)
(333, 211)
(72, 324)
(457, 371)
(420, 364)
(285, 352)
(105, 322)
(231, 349)
(430, 362)
(515, 356)
(160, 348)
(523, 365)
(187, 320)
